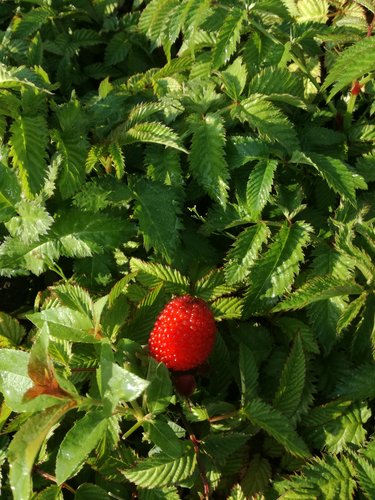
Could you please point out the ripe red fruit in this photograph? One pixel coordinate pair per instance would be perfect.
(184, 334)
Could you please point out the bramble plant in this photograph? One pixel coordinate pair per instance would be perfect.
(222, 150)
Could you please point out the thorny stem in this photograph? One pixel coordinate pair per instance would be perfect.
(201, 467)
(231, 414)
(52, 478)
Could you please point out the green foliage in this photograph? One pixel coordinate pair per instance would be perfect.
(157, 148)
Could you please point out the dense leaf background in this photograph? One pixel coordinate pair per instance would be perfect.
(155, 148)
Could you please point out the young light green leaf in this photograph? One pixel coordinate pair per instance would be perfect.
(25, 446)
(277, 425)
(259, 186)
(14, 378)
(66, 324)
(123, 385)
(78, 442)
(32, 221)
(207, 162)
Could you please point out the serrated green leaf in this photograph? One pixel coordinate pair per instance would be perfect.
(259, 186)
(257, 476)
(157, 210)
(350, 312)
(18, 258)
(227, 308)
(228, 37)
(274, 273)
(236, 493)
(249, 374)
(82, 235)
(29, 137)
(329, 477)
(311, 10)
(317, 289)
(360, 385)
(365, 472)
(10, 192)
(154, 132)
(14, 378)
(352, 64)
(11, 331)
(158, 394)
(244, 252)
(337, 429)
(270, 122)
(159, 272)
(78, 442)
(32, 221)
(70, 157)
(154, 17)
(88, 491)
(243, 149)
(234, 79)
(334, 172)
(276, 425)
(211, 286)
(162, 435)
(25, 445)
(49, 493)
(76, 298)
(207, 162)
(220, 446)
(162, 471)
(66, 324)
(292, 382)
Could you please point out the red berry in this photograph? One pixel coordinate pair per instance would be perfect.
(184, 334)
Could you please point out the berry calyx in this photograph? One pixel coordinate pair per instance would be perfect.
(356, 88)
(184, 334)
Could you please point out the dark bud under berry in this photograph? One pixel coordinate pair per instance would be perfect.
(185, 384)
